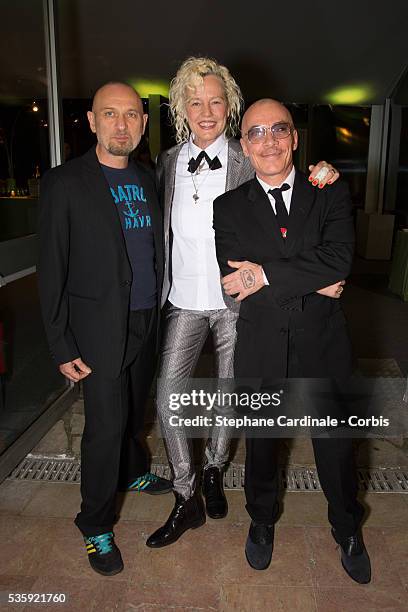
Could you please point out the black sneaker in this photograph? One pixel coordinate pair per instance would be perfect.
(103, 554)
(151, 484)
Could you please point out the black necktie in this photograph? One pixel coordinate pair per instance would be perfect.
(213, 164)
(282, 215)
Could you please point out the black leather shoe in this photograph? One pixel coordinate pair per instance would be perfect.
(259, 545)
(216, 503)
(186, 514)
(354, 557)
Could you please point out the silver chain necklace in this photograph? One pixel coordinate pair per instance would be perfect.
(197, 186)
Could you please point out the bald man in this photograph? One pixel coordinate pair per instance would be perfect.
(278, 243)
(100, 272)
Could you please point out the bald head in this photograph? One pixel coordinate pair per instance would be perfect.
(269, 139)
(115, 88)
(262, 107)
(118, 121)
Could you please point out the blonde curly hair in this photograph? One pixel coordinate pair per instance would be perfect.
(190, 75)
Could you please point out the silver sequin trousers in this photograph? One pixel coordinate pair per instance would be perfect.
(184, 335)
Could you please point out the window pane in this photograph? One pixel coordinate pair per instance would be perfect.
(29, 379)
(24, 147)
(340, 134)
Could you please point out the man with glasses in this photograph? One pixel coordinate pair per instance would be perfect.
(301, 239)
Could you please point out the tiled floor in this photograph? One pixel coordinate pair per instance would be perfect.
(206, 570)
(42, 551)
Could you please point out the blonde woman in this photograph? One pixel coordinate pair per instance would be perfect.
(205, 106)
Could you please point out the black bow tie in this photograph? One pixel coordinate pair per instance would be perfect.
(213, 164)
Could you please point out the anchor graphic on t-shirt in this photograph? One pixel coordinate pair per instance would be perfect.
(131, 212)
(134, 220)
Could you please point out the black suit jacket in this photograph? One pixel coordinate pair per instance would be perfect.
(84, 271)
(317, 252)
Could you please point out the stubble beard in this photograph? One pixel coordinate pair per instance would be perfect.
(121, 150)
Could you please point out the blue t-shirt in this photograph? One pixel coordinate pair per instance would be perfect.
(132, 205)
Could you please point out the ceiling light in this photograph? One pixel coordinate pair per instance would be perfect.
(146, 87)
(351, 94)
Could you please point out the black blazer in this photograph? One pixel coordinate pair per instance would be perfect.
(317, 252)
(84, 271)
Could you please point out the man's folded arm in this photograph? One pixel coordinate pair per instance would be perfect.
(53, 230)
(322, 265)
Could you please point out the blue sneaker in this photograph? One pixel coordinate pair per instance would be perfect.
(103, 554)
(151, 484)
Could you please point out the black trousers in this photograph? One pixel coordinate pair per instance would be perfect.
(112, 453)
(336, 470)
(335, 467)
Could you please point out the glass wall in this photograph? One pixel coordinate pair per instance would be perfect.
(29, 380)
(340, 134)
(24, 145)
(402, 181)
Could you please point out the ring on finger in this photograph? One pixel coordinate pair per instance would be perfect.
(321, 175)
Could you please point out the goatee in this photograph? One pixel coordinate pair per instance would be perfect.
(121, 149)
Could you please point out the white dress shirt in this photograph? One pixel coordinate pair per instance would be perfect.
(195, 273)
(286, 195)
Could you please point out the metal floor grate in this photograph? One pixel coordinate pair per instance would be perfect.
(47, 469)
(305, 479)
(384, 480)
